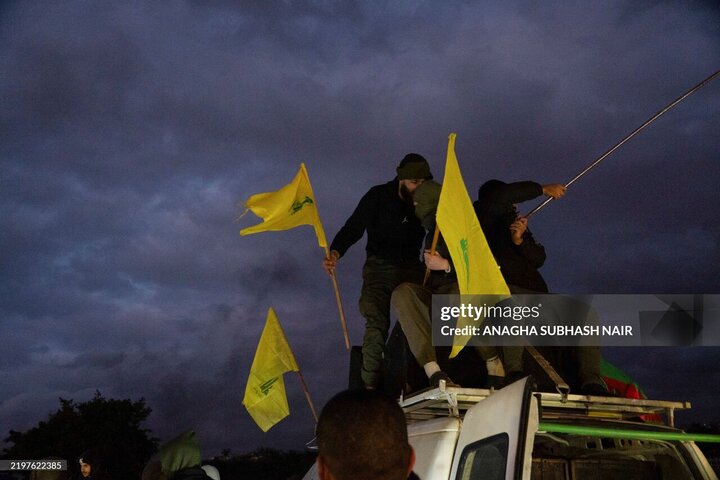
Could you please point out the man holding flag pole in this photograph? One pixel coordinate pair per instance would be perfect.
(394, 238)
(411, 302)
(520, 257)
(447, 209)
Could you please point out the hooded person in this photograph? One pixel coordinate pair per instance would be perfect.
(179, 459)
(394, 240)
(92, 466)
(520, 258)
(510, 240)
(411, 302)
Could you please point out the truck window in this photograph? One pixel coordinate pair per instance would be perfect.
(560, 457)
(485, 459)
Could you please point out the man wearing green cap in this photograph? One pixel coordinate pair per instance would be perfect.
(412, 302)
(394, 239)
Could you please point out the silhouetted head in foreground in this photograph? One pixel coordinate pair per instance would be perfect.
(362, 434)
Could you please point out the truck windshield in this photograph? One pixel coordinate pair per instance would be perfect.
(558, 456)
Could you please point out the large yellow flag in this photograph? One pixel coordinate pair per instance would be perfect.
(291, 206)
(477, 271)
(265, 398)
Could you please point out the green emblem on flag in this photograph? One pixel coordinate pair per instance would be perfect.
(297, 206)
(466, 260)
(267, 386)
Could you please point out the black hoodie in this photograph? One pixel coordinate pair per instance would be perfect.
(495, 209)
(393, 231)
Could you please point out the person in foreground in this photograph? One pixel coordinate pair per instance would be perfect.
(362, 435)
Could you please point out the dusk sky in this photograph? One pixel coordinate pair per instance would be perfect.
(131, 133)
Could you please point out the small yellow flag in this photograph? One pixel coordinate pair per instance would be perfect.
(477, 271)
(291, 206)
(265, 398)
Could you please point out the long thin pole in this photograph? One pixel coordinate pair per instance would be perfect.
(307, 395)
(634, 132)
(560, 384)
(436, 237)
(339, 304)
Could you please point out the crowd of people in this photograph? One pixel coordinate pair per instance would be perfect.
(178, 459)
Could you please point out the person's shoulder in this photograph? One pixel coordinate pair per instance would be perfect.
(191, 473)
(383, 189)
(386, 187)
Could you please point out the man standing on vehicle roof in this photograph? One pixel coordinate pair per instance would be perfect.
(411, 302)
(394, 239)
(520, 257)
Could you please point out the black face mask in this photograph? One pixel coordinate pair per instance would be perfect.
(428, 222)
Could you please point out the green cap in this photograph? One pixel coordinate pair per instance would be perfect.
(412, 167)
(427, 196)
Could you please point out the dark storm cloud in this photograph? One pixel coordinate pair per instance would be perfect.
(130, 134)
(103, 360)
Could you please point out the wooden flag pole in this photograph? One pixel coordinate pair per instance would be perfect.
(560, 385)
(436, 237)
(307, 395)
(339, 304)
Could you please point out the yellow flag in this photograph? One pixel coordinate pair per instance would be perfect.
(477, 271)
(291, 206)
(265, 398)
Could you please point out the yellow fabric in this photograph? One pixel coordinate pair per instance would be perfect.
(477, 271)
(291, 206)
(265, 398)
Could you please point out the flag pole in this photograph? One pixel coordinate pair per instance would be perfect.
(435, 239)
(339, 303)
(327, 255)
(307, 395)
(634, 132)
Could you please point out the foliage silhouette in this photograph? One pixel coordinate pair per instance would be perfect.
(113, 427)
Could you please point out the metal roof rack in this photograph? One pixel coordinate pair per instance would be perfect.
(454, 401)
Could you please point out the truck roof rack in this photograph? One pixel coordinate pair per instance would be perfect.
(454, 401)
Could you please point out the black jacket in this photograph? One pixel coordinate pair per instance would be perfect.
(518, 263)
(393, 231)
(192, 473)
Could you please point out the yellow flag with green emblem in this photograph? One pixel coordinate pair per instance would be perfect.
(291, 206)
(477, 271)
(265, 398)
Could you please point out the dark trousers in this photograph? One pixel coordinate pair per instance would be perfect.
(380, 277)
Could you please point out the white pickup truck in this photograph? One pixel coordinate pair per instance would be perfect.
(514, 433)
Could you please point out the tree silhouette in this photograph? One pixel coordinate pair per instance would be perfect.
(110, 426)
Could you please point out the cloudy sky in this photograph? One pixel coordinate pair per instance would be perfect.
(131, 133)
